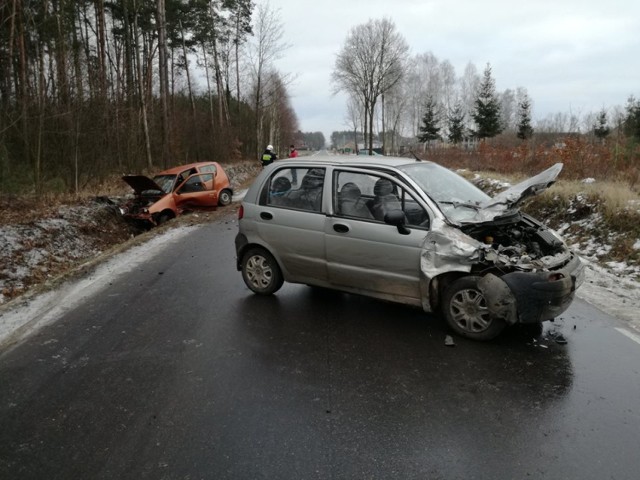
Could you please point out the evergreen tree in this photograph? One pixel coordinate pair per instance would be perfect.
(429, 130)
(525, 130)
(486, 114)
(632, 120)
(600, 128)
(456, 124)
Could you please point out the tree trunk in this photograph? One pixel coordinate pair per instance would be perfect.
(164, 82)
(210, 94)
(101, 46)
(191, 99)
(141, 92)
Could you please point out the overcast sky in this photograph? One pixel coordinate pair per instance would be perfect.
(572, 56)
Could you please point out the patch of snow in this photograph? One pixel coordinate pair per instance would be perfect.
(32, 313)
(616, 295)
(588, 180)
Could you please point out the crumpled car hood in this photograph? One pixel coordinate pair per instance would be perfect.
(514, 196)
(140, 183)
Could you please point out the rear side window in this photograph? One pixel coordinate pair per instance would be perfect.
(208, 169)
(295, 188)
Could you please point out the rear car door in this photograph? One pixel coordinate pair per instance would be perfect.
(364, 253)
(291, 220)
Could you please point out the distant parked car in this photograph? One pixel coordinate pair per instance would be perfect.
(365, 151)
(196, 186)
(411, 232)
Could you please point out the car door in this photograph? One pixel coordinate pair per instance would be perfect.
(367, 254)
(291, 221)
(196, 192)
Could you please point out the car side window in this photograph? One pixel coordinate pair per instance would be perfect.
(371, 197)
(196, 183)
(297, 188)
(353, 194)
(208, 169)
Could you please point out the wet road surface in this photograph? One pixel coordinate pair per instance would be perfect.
(177, 371)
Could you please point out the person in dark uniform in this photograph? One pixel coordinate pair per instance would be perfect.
(268, 156)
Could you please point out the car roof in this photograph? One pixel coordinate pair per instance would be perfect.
(182, 168)
(374, 161)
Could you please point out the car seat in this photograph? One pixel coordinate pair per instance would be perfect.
(384, 199)
(350, 203)
(309, 195)
(279, 190)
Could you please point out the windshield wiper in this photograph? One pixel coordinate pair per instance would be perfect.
(460, 204)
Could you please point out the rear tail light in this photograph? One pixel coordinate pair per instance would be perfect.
(240, 212)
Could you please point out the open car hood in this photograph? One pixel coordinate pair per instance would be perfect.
(141, 183)
(514, 196)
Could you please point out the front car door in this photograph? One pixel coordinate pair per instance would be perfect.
(365, 254)
(196, 192)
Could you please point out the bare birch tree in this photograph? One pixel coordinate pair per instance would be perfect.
(266, 48)
(371, 62)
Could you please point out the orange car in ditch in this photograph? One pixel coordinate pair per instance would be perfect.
(196, 186)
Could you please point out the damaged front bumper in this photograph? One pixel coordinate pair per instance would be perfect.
(529, 297)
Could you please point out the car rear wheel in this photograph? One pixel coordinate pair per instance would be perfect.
(261, 272)
(224, 198)
(466, 312)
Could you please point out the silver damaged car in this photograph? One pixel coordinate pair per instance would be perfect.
(407, 231)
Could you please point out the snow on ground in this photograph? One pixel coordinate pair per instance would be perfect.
(617, 296)
(31, 312)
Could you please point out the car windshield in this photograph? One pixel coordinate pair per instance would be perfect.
(165, 182)
(458, 198)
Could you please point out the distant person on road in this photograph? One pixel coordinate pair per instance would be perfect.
(293, 153)
(268, 156)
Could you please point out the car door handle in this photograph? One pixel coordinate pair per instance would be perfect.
(266, 216)
(340, 228)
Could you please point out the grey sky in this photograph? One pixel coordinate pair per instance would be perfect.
(572, 56)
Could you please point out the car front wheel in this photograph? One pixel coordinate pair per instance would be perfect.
(261, 272)
(466, 312)
(224, 198)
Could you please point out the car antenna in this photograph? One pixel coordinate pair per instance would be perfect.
(416, 156)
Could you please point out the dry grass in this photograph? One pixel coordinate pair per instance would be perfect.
(600, 218)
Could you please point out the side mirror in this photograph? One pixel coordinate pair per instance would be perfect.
(396, 218)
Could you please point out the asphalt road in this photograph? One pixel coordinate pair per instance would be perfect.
(177, 371)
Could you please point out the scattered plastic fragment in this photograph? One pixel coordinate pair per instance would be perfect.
(559, 338)
(448, 341)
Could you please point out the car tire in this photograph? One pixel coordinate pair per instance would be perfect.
(163, 218)
(260, 272)
(466, 313)
(224, 198)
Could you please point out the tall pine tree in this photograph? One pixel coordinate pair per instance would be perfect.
(456, 124)
(632, 119)
(601, 128)
(486, 114)
(525, 130)
(430, 130)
